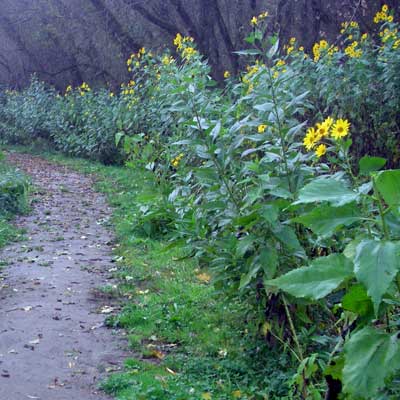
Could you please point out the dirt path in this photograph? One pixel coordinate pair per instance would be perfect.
(53, 345)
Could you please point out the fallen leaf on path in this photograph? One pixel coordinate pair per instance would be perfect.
(106, 310)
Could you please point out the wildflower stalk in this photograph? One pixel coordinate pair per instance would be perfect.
(381, 211)
(216, 163)
(280, 132)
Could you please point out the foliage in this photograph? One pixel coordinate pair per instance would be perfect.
(274, 182)
(13, 199)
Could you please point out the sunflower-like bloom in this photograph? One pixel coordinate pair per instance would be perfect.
(311, 139)
(320, 151)
(340, 129)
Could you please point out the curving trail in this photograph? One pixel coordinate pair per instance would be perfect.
(53, 345)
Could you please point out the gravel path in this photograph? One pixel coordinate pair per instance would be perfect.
(53, 345)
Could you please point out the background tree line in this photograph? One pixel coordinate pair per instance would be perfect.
(70, 41)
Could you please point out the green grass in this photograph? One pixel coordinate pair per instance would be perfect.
(13, 200)
(187, 342)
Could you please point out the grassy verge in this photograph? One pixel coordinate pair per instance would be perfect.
(13, 200)
(186, 341)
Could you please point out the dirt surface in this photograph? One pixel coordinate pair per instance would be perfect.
(53, 344)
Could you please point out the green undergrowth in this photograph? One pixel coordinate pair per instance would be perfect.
(186, 343)
(13, 200)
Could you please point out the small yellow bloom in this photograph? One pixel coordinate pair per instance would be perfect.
(254, 21)
(261, 128)
(237, 394)
(320, 151)
(227, 74)
(280, 63)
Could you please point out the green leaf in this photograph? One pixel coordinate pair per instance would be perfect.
(388, 184)
(370, 357)
(357, 301)
(375, 265)
(249, 52)
(330, 190)
(369, 164)
(118, 137)
(273, 50)
(324, 220)
(269, 261)
(322, 277)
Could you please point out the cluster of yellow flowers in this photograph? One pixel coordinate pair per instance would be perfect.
(136, 56)
(179, 41)
(347, 25)
(129, 88)
(329, 128)
(318, 48)
(251, 71)
(84, 88)
(167, 60)
(189, 52)
(291, 46)
(353, 51)
(383, 15)
(388, 34)
(176, 161)
(256, 20)
(183, 45)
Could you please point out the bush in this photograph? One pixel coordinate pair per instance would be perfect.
(274, 181)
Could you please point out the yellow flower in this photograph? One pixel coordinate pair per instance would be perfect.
(188, 52)
(311, 139)
(261, 128)
(227, 74)
(385, 8)
(280, 63)
(206, 396)
(237, 394)
(178, 41)
(340, 129)
(364, 36)
(320, 151)
(111, 94)
(254, 21)
(328, 123)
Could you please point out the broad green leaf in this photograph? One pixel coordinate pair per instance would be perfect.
(388, 184)
(324, 220)
(273, 50)
(330, 190)
(268, 106)
(269, 261)
(357, 301)
(249, 52)
(322, 277)
(375, 265)
(118, 137)
(370, 357)
(287, 236)
(369, 164)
